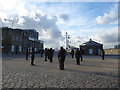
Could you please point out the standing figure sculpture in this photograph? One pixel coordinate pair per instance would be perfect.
(41, 53)
(51, 55)
(32, 56)
(77, 56)
(46, 54)
(81, 56)
(26, 53)
(61, 58)
(72, 53)
(103, 54)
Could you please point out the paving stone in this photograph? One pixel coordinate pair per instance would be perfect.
(18, 73)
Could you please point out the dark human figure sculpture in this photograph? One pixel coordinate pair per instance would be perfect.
(26, 53)
(41, 53)
(32, 56)
(77, 56)
(46, 54)
(51, 55)
(103, 54)
(81, 57)
(61, 58)
(72, 53)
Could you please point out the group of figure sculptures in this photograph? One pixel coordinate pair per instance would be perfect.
(48, 55)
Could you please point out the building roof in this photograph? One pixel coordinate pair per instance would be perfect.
(91, 43)
(30, 30)
(3, 27)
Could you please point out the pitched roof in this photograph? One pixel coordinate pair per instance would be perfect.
(91, 43)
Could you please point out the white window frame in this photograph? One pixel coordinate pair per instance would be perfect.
(35, 49)
(20, 48)
(12, 48)
(2, 46)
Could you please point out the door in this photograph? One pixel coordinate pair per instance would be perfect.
(17, 48)
(90, 51)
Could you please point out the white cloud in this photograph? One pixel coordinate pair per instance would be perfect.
(109, 17)
(72, 0)
(21, 21)
(76, 41)
(27, 16)
(47, 28)
(47, 20)
(108, 37)
(8, 5)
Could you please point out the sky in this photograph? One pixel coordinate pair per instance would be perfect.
(81, 20)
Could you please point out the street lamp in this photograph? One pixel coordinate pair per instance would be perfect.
(10, 21)
(67, 40)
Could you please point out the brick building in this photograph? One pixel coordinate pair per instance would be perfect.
(17, 40)
(91, 48)
(33, 40)
(33, 34)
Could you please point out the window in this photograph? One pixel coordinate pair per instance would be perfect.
(2, 46)
(20, 39)
(90, 51)
(16, 38)
(30, 49)
(35, 49)
(99, 51)
(20, 48)
(13, 37)
(12, 48)
(1, 37)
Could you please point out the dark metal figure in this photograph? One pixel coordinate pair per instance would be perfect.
(26, 53)
(103, 54)
(77, 56)
(72, 53)
(51, 55)
(32, 56)
(61, 58)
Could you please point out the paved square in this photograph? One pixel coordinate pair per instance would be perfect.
(93, 72)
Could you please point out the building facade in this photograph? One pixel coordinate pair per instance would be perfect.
(33, 40)
(117, 46)
(17, 41)
(112, 51)
(33, 34)
(91, 48)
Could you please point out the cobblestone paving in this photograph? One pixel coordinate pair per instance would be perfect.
(92, 73)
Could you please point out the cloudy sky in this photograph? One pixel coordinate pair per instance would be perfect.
(82, 20)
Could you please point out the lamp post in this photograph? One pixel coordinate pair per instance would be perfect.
(10, 21)
(67, 40)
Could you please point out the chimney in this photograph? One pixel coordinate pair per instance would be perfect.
(90, 39)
